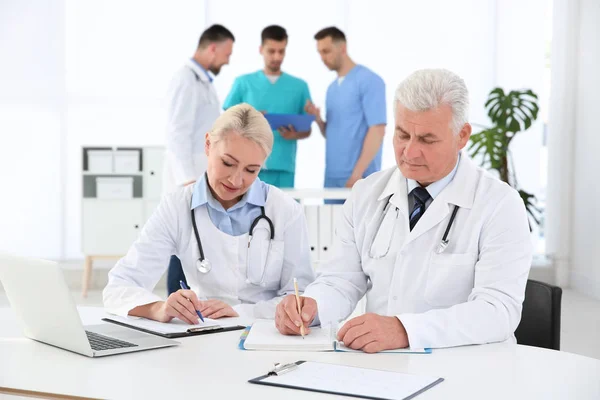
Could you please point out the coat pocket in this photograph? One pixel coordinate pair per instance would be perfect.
(450, 279)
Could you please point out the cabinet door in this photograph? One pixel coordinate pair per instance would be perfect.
(110, 226)
(325, 230)
(153, 173)
(312, 220)
(337, 213)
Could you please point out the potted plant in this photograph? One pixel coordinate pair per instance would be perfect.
(510, 114)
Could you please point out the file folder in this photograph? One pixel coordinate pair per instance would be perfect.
(300, 122)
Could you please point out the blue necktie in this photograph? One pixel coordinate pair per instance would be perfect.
(421, 195)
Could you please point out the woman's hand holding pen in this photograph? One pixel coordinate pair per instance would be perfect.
(181, 304)
(216, 309)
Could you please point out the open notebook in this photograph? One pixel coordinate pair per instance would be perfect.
(176, 328)
(263, 335)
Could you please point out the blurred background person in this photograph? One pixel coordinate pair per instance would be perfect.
(271, 90)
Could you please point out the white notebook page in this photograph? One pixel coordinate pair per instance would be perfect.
(265, 336)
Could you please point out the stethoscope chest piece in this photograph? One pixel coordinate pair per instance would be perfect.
(442, 246)
(203, 266)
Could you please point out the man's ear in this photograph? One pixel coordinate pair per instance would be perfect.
(211, 49)
(464, 135)
(343, 46)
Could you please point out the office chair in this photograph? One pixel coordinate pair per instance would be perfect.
(540, 320)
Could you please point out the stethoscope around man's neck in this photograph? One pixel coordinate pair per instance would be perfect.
(444, 242)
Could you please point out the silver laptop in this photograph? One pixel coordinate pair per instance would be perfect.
(39, 295)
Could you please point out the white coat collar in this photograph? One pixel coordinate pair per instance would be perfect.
(396, 190)
(460, 192)
(198, 71)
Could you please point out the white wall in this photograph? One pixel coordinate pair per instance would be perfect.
(120, 56)
(585, 242)
(89, 72)
(32, 102)
(521, 66)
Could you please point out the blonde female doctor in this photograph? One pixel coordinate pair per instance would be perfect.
(241, 242)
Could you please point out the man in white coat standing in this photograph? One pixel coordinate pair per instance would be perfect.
(440, 247)
(192, 108)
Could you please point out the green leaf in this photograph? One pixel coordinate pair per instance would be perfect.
(531, 206)
(489, 144)
(514, 111)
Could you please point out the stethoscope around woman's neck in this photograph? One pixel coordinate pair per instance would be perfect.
(205, 266)
(202, 263)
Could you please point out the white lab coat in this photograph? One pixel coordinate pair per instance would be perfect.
(472, 293)
(193, 107)
(170, 231)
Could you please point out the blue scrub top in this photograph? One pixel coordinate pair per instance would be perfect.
(287, 95)
(352, 108)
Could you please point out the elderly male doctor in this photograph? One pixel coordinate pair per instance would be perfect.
(424, 288)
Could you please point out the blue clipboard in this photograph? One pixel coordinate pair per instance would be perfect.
(301, 122)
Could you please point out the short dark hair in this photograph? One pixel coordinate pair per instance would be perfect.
(273, 32)
(334, 33)
(215, 33)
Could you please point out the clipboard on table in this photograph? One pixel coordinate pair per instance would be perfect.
(301, 122)
(174, 329)
(345, 380)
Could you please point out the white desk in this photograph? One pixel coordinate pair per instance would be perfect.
(211, 366)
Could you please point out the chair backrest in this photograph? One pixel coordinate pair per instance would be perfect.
(540, 320)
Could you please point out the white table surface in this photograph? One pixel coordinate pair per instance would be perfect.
(211, 366)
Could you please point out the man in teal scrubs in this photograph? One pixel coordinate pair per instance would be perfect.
(271, 90)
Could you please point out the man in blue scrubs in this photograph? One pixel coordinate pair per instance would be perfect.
(355, 117)
(271, 90)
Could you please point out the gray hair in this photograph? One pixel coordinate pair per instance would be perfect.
(244, 120)
(427, 89)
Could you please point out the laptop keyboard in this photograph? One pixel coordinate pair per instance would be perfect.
(101, 342)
